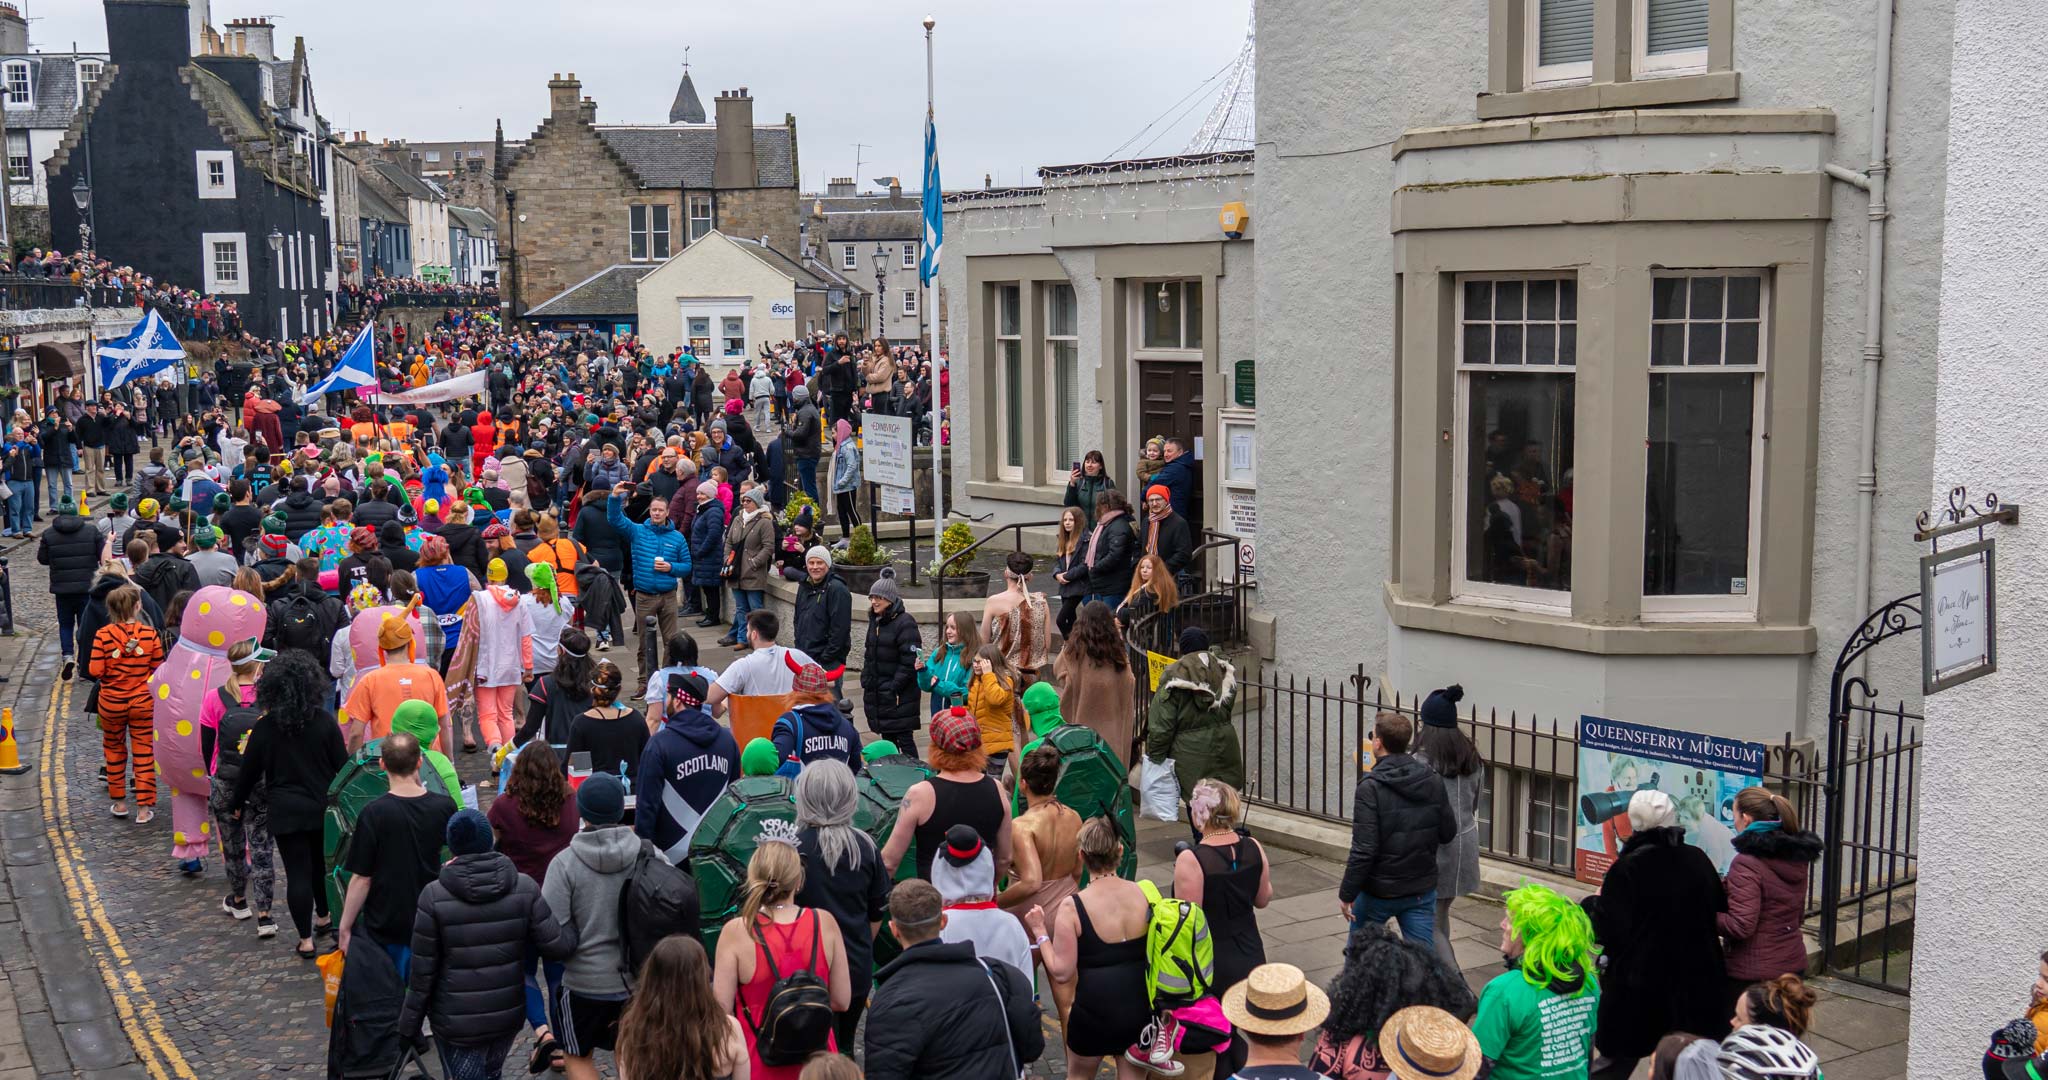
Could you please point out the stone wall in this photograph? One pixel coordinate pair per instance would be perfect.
(755, 212)
(573, 193)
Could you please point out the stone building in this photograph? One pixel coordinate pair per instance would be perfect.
(579, 196)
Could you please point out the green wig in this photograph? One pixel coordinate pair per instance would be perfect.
(1556, 936)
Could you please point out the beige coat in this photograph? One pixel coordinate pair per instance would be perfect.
(756, 544)
(881, 374)
(1098, 697)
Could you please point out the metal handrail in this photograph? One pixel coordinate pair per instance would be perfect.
(938, 580)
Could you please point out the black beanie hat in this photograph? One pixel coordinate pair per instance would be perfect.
(1440, 709)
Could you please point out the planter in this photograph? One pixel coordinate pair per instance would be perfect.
(967, 585)
(859, 578)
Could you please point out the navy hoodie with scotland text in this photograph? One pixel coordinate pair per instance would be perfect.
(687, 765)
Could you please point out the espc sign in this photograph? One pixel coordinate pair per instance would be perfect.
(781, 309)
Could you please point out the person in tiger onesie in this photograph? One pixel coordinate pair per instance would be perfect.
(124, 652)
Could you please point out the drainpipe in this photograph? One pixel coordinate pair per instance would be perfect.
(1872, 181)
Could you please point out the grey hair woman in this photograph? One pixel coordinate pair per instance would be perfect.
(843, 873)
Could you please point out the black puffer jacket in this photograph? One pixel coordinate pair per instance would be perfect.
(163, 576)
(470, 940)
(1399, 817)
(1116, 555)
(301, 514)
(824, 617)
(70, 547)
(940, 1015)
(888, 676)
(375, 512)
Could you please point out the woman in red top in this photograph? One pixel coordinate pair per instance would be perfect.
(774, 937)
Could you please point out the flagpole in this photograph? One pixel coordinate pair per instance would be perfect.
(931, 314)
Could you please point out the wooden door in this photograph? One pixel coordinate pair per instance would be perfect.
(1170, 405)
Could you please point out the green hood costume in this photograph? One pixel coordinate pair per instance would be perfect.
(419, 720)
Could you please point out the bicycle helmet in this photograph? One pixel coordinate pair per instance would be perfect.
(1758, 1052)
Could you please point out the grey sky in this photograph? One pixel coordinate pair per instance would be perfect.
(1053, 82)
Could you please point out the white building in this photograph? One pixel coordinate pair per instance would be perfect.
(40, 93)
(722, 297)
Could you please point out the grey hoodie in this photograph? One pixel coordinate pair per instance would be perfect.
(583, 891)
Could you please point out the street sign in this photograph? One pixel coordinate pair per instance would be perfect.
(885, 450)
(899, 500)
(1245, 384)
(1958, 621)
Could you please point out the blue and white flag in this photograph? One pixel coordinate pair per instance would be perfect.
(145, 350)
(356, 367)
(934, 200)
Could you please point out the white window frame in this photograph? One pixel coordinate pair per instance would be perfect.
(1663, 66)
(1054, 467)
(27, 175)
(724, 352)
(639, 232)
(8, 71)
(1004, 436)
(1147, 293)
(1715, 607)
(212, 282)
(910, 303)
(696, 201)
(1535, 75)
(85, 81)
(1487, 593)
(909, 256)
(848, 258)
(660, 241)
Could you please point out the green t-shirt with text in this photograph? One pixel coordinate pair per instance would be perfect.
(1531, 1033)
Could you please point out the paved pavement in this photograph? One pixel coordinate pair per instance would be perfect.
(114, 965)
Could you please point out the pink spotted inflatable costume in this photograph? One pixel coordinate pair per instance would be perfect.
(215, 618)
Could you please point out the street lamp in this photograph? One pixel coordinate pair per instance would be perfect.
(276, 240)
(81, 197)
(881, 258)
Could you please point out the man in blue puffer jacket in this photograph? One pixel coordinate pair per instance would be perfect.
(661, 559)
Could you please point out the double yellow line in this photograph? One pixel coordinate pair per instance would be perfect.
(132, 1003)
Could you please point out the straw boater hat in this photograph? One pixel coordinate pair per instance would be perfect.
(1422, 1042)
(1277, 1000)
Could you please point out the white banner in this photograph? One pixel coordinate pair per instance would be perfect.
(461, 386)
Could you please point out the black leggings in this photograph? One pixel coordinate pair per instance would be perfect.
(708, 598)
(849, 513)
(304, 891)
(1070, 608)
(846, 1024)
(124, 468)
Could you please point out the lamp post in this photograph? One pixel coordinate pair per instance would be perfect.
(881, 257)
(81, 197)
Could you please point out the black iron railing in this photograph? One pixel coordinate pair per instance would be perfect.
(966, 556)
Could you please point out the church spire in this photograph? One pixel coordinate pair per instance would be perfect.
(687, 109)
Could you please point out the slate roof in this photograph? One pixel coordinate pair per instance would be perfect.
(687, 108)
(614, 290)
(54, 78)
(412, 187)
(682, 156)
(248, 133)
(850, 204)
(371, 203)
(475, 221)
(874, 225)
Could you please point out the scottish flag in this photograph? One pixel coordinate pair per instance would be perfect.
(147, 349)
(357, 367)
(934, 224)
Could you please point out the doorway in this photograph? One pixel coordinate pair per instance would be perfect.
(1170, 406)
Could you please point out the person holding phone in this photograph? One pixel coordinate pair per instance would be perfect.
(1086, 480)
(661, 555)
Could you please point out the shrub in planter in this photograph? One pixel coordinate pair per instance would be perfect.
(797, 501)
(956, 539)
(861, 549)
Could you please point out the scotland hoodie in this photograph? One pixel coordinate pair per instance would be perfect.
(687, 765)
(809, 733)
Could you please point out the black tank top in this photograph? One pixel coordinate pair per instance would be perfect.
(975, 802)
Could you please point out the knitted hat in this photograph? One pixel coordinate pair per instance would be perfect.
(147, 508)
(707, 490)
(1161, 491)
(1193, 639)
(431, 506)
(1440, 708)
(496, 571)
(759, 758)
(119, 502)
(433, 544)
(205, 536)
(733, 407)
(221, 502)
(274, 523)
(362, 538)
(800, 394)
(496, 530)
(806, 517)
(885, 586)
(753, 495)
(955, 730)
(601, 800)
(469, 833)
(274, 543)
(1042, 705)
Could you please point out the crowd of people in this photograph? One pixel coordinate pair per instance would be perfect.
(438, 580)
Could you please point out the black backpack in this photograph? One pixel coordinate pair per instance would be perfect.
(300, 626)
(233, 737)
(797, 1020)
(656, 901)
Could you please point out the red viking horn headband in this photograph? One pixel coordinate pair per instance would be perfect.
(798, 669)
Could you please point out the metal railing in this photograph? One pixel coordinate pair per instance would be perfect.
(966, 555)
(23, 292)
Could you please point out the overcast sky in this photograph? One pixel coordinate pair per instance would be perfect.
(1069, 82)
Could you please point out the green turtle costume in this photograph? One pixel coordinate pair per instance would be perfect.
(363, 779)
(1093, 780)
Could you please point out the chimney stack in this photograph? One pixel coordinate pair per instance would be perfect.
(254, 37)
(841, 187)
(732, 165)
(563, 98)
(13, 31)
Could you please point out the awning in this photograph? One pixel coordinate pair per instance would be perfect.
(59, 360)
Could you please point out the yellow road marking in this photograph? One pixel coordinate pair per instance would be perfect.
(132, 1004)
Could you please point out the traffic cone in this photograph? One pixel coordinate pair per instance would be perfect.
(84, 508)
(10, 747)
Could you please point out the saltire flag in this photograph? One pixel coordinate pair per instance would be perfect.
(357, 367)
(145, 350)
(934, 224)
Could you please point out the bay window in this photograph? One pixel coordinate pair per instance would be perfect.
(1517, 353)
(1706, 385)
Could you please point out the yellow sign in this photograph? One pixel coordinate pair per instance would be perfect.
(1155, 666)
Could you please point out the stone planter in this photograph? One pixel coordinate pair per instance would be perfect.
(967, 585)
(859, 579)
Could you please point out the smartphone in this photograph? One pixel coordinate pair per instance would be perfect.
(1076, 467)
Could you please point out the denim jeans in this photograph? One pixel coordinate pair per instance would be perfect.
(744, 601)
(484, 1061)
(21, 508)
(69, 611)
(1416, 914)
(807, 479)
(54, 476)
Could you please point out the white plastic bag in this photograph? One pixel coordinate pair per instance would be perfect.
(1158, 790)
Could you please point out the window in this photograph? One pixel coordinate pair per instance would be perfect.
(733, 330)
(433, 157)
(847, 259)
(88, 73)
(647, 234)
(909, 256)
(20, 166)
(1172, 314)
(216, 175)
(1706, 382)
(1558, 42)
(224, 263)
(700, 335)
(1010, 382)
(910, 301)
(1063, 367)
(1517, 350)
(700, 217)
(1670, 37)
(18, 92)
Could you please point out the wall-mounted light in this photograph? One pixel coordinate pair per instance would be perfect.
(276, 241)
(1165, 302)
